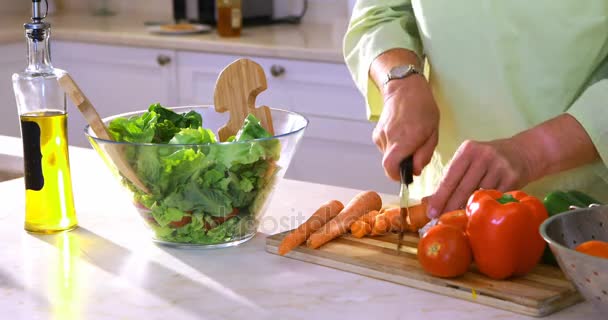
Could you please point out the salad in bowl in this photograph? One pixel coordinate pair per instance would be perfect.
(201, 192)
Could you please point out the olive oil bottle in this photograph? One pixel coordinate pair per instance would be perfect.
(49, 203)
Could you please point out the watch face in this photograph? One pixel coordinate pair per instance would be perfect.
(403, 70)
(400, 72)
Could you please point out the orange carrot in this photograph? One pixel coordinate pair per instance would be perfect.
(325, 213)
(417, 216)
(370, 217)
(363, 226)
(359, 229)
(389, 220)
(361, 204)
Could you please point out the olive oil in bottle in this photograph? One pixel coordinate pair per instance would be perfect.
(49, 204)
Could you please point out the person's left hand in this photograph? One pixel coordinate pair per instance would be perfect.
(499, 164)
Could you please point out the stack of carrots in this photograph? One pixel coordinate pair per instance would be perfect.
(362, 216)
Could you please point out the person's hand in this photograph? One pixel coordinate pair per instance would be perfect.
(500, 164)
(408, 124)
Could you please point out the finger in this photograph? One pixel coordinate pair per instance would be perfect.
(469, 183)
(490, 180)
(392, 159)
(379, 138)
(506, 183)
(456, 170)
(423, 155)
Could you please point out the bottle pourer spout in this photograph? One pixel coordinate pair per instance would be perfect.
(37, 25)
(37, 11)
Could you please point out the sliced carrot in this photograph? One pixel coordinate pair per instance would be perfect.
(360, 229)
(318, 219)
(364, 225)
(370, 217)
(417, 216)
(361, 204)
(389, 220)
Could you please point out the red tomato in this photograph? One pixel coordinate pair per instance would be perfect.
(444, 251)
(178, 224)
(220, 220)
(456, 218)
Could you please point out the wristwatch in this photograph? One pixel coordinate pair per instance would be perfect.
(400, 72)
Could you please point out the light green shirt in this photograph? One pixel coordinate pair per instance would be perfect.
(497, 68)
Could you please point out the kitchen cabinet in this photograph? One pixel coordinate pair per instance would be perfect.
(337, 148)
(116, 79)
(12, 59)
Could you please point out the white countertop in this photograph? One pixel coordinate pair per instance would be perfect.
(308, 41)
(109, 269)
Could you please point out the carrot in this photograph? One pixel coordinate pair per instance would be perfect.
(359, 229)
(361, 204)
(325, 213)
(417, 216)
(389, 220)
(370, 217)
(363, 226)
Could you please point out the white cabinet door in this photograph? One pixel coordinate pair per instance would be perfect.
(12, 59)
(337, 148)
(116, 79)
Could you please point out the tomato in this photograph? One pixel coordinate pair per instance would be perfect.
(444, 251)
(594, 248)
(219, 220)
(178, 224)
(456, 218)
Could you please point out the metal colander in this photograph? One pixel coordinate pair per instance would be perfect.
(565, 231)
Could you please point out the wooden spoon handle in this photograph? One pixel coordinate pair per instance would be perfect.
(114, 151)
(236, 89)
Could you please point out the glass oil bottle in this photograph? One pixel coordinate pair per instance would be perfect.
(49, 204)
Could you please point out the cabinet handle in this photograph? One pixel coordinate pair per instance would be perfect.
(163, 60)
(277, 70)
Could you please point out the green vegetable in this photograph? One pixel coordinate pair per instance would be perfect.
(560, 201)
(189, 173)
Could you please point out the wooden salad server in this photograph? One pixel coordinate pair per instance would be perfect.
(115, 152)
(236, 89)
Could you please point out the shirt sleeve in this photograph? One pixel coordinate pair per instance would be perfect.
(376, 27)
(591, 111)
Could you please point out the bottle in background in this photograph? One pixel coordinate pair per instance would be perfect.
(49, 204)
(229, 18)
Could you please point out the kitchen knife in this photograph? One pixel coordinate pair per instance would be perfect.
(407, 177)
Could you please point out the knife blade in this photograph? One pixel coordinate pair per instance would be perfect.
(407, 177)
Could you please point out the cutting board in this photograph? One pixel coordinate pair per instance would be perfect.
(541, 292)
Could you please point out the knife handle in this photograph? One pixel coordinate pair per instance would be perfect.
(407, 170)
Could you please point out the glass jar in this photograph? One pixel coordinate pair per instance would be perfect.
(229, 18)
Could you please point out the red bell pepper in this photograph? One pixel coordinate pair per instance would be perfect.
(504, 232)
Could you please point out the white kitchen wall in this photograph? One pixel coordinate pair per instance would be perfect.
(14, 6)
(318, 10)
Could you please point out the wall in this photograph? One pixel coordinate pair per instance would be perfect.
(14, 6)
(318, 10)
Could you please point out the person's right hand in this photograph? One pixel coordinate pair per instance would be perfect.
(408, 124)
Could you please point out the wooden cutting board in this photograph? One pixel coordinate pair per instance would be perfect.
(541, 292)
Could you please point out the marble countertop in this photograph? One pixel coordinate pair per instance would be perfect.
(109, 269)
(309, 41)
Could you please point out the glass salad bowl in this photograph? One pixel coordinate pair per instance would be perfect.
(200, 192)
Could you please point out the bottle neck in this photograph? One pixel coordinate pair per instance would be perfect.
(38, 55)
